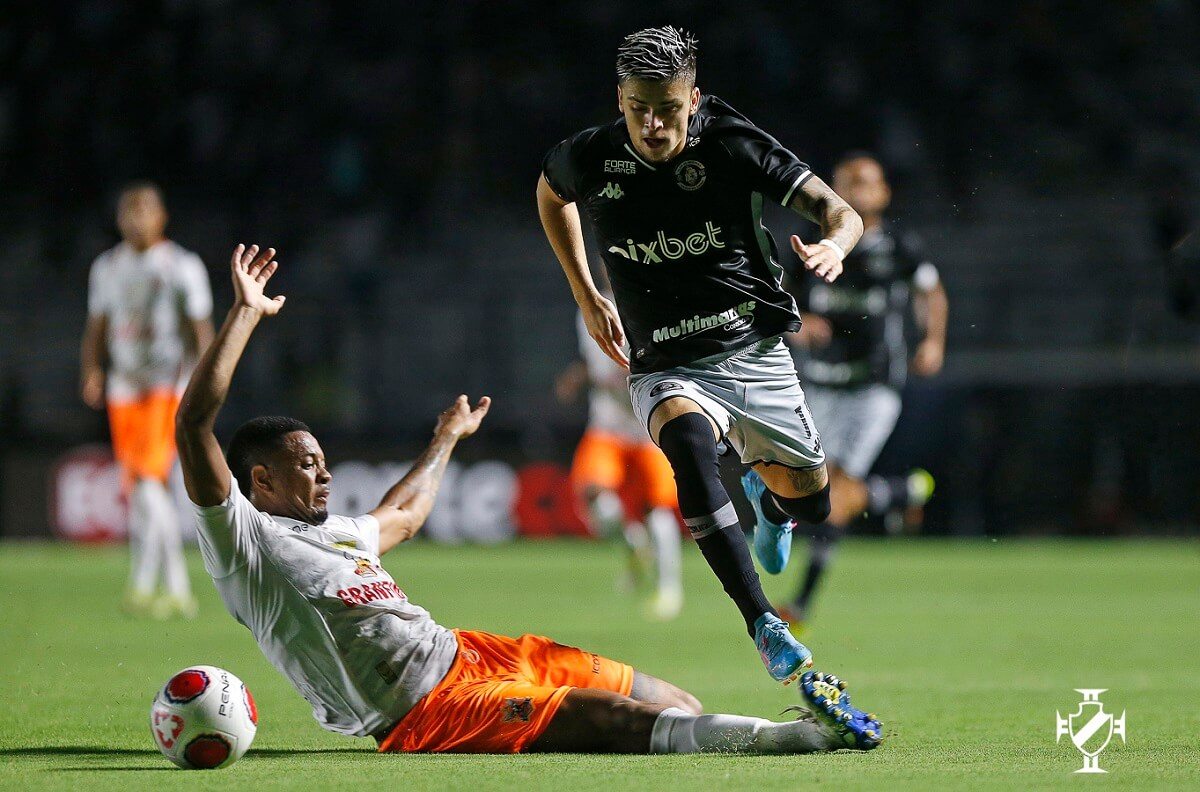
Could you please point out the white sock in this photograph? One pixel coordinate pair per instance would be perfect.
(675, 731)
(608, 513)
(145, 543)
(664, 530)
(166, 521)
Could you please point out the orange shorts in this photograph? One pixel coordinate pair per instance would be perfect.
(143, 434)
(501, 694)
(639, 471)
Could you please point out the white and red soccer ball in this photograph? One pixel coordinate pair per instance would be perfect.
(203, 718)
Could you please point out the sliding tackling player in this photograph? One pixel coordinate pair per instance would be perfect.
(311, 589)
(674, 190)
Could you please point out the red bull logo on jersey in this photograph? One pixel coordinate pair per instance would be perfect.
(663, 246)
(732, 320)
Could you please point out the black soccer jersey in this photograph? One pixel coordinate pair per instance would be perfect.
(692, 267)
(867, 307)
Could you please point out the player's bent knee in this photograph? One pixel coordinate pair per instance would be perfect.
(653, 690)
(813, 509)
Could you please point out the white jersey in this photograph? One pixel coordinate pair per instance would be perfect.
(145, 297)
(609, 406)
(325, 612)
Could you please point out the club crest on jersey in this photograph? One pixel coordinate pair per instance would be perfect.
(518, 709)
(613, 191)
(690, 175)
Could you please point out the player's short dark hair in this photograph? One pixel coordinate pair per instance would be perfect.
(661, 54)
(857, 154)
(256, 442)
(138, 185)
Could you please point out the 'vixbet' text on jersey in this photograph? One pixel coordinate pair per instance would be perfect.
(692, 267)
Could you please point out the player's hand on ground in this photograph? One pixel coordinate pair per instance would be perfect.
(929, 357)
(819, 259)
(604, 326)
(252, 269)
(92, 389)
(815, 331)
(460, 420)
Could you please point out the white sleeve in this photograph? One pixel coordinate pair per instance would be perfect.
(197, 294)
(99, 300)
(228, 532)
(367, 528)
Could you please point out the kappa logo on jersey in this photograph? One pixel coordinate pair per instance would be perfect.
(690, 175)
(613, 191)
(620, 166)
(518, 709)
(663, 387)
(671, 247)
(732, 320)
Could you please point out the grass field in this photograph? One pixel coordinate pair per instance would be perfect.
(964, 649)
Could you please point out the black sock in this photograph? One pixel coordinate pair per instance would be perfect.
(885, 493)
(771, 509)
(687, 441)
(726, 552)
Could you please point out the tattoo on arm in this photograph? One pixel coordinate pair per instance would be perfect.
(816, 201)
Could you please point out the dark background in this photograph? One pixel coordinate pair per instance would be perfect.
(1046, 151)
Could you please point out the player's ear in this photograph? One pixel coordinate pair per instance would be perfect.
(695, 104)
(620, 100)
(260, 477)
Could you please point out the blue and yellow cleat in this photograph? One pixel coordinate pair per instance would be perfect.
(772, 543)
(825, 696)
(784, 656)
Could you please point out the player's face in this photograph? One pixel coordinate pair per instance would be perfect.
(656, 114)
(862, 184)
(141, 218)
(300, 480)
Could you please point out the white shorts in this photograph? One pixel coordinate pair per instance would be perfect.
(753, 396)
(855, 423)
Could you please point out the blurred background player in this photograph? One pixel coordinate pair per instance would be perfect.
(624, 478)
(853, 359)
(149, 315)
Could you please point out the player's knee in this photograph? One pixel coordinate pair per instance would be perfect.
(813, 509)
(686, 702)
(687, 442)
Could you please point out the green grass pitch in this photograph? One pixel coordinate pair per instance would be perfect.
(964, 649)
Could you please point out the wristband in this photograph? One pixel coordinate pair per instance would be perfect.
(835, 247)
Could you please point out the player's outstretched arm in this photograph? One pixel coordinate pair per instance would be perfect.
(560, 220)
(406, 505)
(205, 473)
(841, 228)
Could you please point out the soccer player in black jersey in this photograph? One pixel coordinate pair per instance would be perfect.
(674, 190)
(853, 359)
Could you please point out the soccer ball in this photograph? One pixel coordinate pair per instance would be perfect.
(203, 718)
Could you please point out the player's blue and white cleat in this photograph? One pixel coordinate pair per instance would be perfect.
(772, 543)
(825, 696)
(784, 656)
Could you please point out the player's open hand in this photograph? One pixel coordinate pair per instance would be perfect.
(460, 420)
(604, 326)
(252, 269)
(822, 260)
